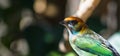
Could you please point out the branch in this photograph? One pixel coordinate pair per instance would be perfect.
(85, 9)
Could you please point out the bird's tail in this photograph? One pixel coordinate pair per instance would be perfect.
(115, 53)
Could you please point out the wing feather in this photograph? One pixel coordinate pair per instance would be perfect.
(88, 43)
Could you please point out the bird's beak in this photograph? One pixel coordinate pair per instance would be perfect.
(63, 23)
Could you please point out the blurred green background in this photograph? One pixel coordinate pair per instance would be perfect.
(31, 27)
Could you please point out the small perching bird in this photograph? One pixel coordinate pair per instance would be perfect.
(86, 42)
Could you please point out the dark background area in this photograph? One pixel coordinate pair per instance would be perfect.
(44, 33)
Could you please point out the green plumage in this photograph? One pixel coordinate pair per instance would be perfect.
(88, 44)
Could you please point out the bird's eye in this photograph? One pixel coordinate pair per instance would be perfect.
(73, 22)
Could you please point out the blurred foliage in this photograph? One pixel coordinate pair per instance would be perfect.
(97, 25)
(70, 54)
(42, 35)
(54, 53)
(38, 24)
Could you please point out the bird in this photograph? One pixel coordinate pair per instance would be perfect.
(86, 42)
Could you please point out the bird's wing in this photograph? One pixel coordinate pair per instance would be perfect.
(105, 42)
(89, 44)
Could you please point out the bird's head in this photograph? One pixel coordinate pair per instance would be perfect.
(73, 24)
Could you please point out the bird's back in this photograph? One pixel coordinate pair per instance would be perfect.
(89, 43)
